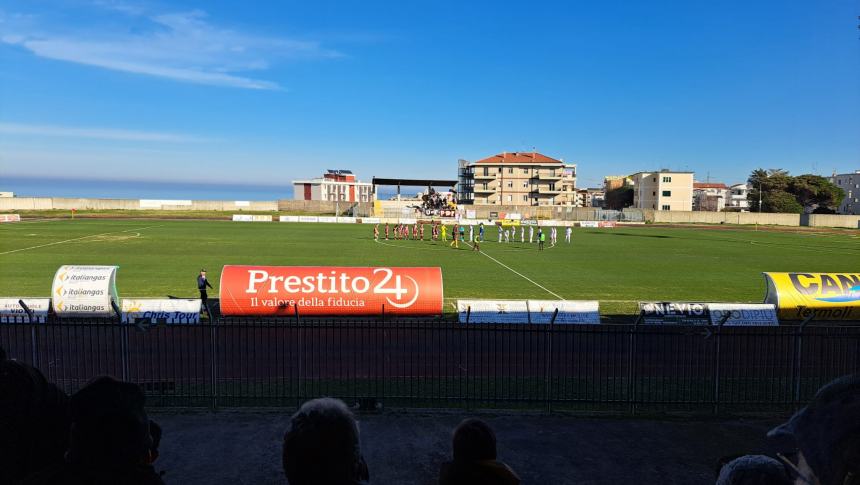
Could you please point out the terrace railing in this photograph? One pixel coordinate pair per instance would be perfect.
(420, 364)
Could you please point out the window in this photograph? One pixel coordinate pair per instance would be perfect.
(511, 170)
(525, 171)
(486, 170)
(654, 194)
(525, 185)
(667, 193)
(666, 208)
(486, 185)
(510, 185)
(510, 198)
(525, 198)
(655, 180)
(667, 179)
(500, 169)
(551, 186)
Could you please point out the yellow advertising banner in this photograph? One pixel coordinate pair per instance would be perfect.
(822, 296)
(509, 222)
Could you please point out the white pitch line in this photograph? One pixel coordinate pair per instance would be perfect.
(77, 239)
(521, 275)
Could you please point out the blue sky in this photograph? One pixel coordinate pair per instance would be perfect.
(227, 92)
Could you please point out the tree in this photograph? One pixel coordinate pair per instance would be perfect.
(814, 192)
(781, 201)
(619, 198)
(768, 182)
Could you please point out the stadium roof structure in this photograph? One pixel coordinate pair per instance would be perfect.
(519, 158)
(414, 182)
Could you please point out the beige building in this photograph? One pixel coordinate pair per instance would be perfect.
(663, 190)
(850, 183)
(517, 178)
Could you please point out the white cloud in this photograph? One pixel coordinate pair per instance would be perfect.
(95, 133)
(181, 46)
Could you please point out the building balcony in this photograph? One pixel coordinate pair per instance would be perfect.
(547, 176)
(545, 191)
(490, 176)
(481, 190)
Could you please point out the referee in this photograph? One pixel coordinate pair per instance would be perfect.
(202, 283)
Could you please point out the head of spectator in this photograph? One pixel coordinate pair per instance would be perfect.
(34, 421)
(474, 440)
(821, 442)
(753, 470)
(321, 446)
(474, 449)
(110, 429)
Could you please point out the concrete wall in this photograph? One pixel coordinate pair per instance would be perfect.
(705, 217)
(832, 220)
(63, 203)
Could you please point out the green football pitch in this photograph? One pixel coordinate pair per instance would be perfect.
(617, 266)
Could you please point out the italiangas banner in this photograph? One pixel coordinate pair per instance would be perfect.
(823, 296)
(84, 291)
(330, 290)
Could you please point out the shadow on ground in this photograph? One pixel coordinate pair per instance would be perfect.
(243, 447)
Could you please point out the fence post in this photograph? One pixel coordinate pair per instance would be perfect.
(548, 364)
(717, 351)
(213, 349)
(631, 352)
(798, 356)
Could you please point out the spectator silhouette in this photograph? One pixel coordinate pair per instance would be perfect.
(474, 446)
(753, 470)
(321, 447)
(821, 442)
(110, 441)
(34, 421)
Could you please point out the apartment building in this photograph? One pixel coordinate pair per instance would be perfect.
(334, 185)
(850, 183)
(518, 178)
(709, 196)
(737, 200)
(663, 190)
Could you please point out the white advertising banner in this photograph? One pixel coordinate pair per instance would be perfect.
(10, 218)
(12, 312)
(493, 311)
(408, 220)
(326, 219)
(515, 216)
(471, 213)
(346, 220)
(84, 291)
(370, 220)
(308, 219)
(593, 224)
(289, 218)
(252, 218)
(569, 311)
(743, 314)
(549, 223)
(157, 204)
(242, 203)
(160, 310)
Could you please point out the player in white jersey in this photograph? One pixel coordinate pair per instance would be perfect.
(471, 233)
(531, 233)
(523, 234)
(567, 233)
(500, 233)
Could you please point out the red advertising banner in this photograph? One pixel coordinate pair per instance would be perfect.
(330, 290)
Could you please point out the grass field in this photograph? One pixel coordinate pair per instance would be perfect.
(618, 267)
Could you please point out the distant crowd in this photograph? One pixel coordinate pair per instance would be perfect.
(433, 200)
(102, 435)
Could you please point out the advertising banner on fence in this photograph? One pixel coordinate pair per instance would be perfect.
(12, 312)
(569, 311)
(84, 291)
(823, 296)
(10, 218)
(664, 312)
(251, 218)
(308, 219)
(591, 224)
(160, 310)
(327, 219)
(493, 311)
(330, 290)
(288, 218)
(743, 314)
(695, 313)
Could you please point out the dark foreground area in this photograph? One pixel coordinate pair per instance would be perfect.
(243, 447)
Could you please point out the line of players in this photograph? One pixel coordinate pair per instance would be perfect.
(440, 231)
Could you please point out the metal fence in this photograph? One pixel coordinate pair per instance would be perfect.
(420, 364)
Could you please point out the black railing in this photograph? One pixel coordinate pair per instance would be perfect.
(421, 364)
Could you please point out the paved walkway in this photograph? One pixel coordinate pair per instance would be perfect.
(243, 447)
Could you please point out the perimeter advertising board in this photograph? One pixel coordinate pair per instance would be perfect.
(330, 290)
(160, 310)
(12, 312)
(10, 218)
(694, 313)
(493, 311)
(569, 311)
(84, 291)
(822, 296)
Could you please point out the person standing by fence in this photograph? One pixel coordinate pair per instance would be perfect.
(202, 283)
